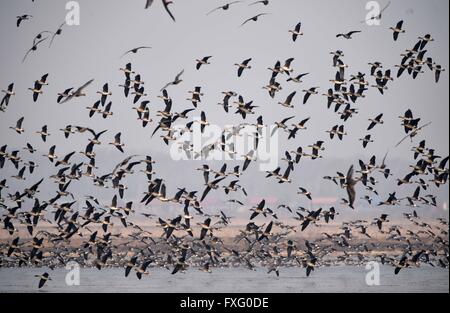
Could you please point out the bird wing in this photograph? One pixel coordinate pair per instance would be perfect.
(205, 193)
(387, 6)
(409, 135)
(247, 20)
(353, 32)
(291, 96)
(166, 6)
(148, 4)
(351, 187)
(214, 10)
(179, 75)
(286, 120)
(79, 90)
(305, 99)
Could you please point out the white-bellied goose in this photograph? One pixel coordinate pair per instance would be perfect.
(37, 90)
(337, 131)
(142, 270)
(127, 71)
(438, 69)
(19, 176)
(138, 94)
(9, 92)
(273, 87)
(374, 67)
(304, 192)
(296, 32)
(267, 232)
(425, 40)
(397, 30)
(142, 109)
(338, 81)
(43, 279)
(104, 93)
(18, 129)
(297, 127)
(107, 111)
(366, 140)
(282, 124)
(311, 218)
(316, 148)
(286, 68)
(275, 70)
(196, 94)
(95, 108)
(308, 93)
(375, 121)
(298, 78)
(285, 177)
(63, 95)
(117, 143)
(44, 133)
(243, 66)
(28, 148)
(203, 122)
(65, 161)
(288, 102)
(203, 61)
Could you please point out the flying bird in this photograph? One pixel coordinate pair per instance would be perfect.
(57, 33)
(78, 93)
(397, 30)
(43, 279)
(296, 32)
(254, 18)
(203, 61)
(348, 35)
(176, 81)
(243, 66)
(24, 17)
(224, 7)
(33, 48)
(9, 92)
(350, 186)
(117, 143)
(135, 50)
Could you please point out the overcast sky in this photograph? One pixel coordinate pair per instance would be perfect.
(111, 27)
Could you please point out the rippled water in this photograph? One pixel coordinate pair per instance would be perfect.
(235, 280)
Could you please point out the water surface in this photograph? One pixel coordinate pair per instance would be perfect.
(234, 280)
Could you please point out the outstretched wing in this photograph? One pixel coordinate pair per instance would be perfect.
(166, 6)
(148, 4)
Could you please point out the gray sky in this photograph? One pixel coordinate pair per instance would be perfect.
(110, 27)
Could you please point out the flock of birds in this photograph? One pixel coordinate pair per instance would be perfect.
(267, 241)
